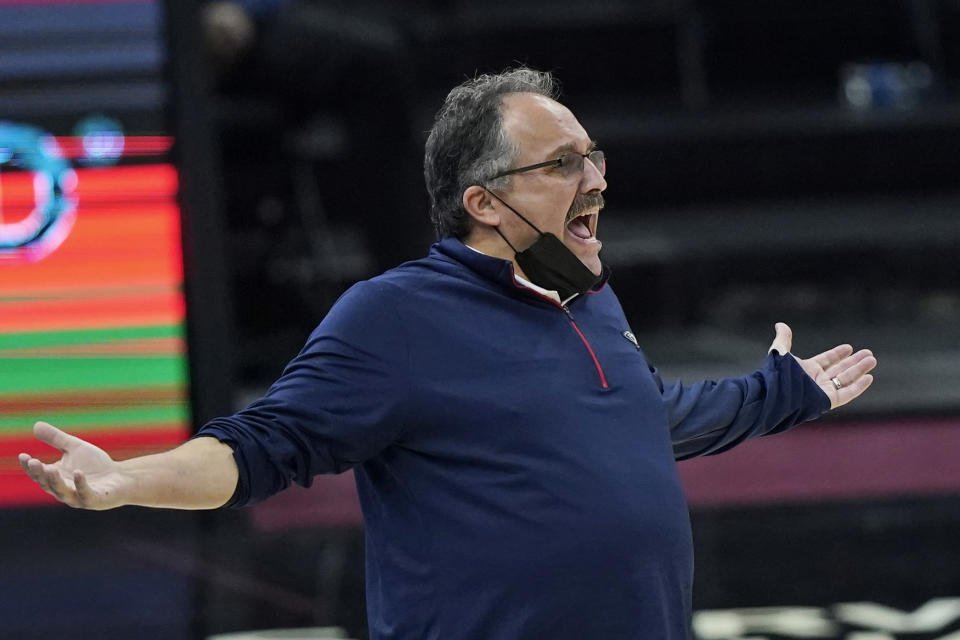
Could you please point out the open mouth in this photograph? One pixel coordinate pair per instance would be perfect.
(584, 226)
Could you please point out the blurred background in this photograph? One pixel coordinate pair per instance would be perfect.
(185, 189)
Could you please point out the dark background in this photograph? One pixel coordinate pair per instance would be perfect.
(768, 160)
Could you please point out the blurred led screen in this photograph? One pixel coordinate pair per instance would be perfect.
(92, 335)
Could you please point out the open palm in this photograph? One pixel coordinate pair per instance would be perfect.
(85, 476)
(849, 369)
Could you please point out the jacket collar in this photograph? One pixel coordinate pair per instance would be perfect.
(493, 269)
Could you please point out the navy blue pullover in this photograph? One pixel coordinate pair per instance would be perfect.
(515, 460)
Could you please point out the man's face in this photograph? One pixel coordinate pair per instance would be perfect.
(545, 130)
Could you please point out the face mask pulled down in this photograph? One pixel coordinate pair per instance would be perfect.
(548, 262)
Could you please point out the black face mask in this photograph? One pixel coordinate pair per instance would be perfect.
(548, 262)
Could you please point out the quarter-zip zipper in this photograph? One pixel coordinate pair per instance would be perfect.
(573, 323)
(596, 362)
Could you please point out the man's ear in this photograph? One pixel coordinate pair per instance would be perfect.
(481, 206)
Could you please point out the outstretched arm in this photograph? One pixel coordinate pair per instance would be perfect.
(710, 417)
(199, 474)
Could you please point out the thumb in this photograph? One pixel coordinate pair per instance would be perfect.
(783, 341)
(55, 437)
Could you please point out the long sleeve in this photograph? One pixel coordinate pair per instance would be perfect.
(710, 417)
(338, 403)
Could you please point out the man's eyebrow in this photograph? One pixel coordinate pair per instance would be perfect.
(568, 147)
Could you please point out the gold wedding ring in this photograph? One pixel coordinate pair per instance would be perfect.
(836, 382)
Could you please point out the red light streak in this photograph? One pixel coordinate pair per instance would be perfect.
(133, 146)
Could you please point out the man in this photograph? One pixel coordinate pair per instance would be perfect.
(514, 452)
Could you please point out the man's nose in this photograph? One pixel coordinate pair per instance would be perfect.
(592, 180)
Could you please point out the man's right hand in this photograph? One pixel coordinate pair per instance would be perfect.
(85, 477)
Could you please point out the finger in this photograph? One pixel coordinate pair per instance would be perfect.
(58, 487)
(55, 437)
(829, 358)
(858, 368)
(852, 376)
(848, 393)
(852, 366)
(85, 494)
(41, 474)
(783, 340)
(34, 469)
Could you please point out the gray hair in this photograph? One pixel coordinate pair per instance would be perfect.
(467, 144)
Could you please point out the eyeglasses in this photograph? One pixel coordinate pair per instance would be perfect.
(568, 165)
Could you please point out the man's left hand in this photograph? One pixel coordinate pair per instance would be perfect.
(842, 374)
